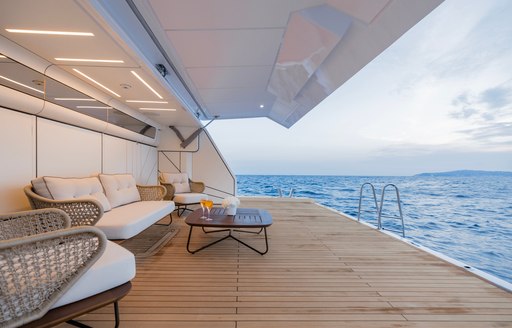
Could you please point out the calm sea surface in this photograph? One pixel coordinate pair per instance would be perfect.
(466, 218)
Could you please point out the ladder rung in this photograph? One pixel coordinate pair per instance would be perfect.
(391, 216)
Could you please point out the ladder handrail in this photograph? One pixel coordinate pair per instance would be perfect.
(290, 194)
(361, 197)
(401, 217)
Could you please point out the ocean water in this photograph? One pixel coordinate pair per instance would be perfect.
(466, 218)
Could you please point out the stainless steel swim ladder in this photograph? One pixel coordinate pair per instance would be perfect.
(378, 208)
(290, 195)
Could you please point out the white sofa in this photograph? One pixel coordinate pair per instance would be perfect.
(112, 202)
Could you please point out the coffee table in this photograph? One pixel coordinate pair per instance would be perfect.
(244, 218)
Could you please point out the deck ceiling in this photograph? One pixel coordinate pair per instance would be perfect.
(68, 15)
(226, 58)
(228, 50)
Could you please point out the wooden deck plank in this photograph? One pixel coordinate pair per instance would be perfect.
(322, 270)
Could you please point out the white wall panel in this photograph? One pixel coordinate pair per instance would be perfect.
(131, 153)
(169, 162)
(210, 168)
(67, 151)
(169, 140)
(147, 165)
(115, 155)
(17, 149)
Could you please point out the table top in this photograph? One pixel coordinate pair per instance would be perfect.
(244, 218)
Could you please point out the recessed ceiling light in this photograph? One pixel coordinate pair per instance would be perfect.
(21, 84)
(159, 109)
(94, 81)
(90, 60)
(75, 99)
(15, 30)
(146, 84)
(262, 106)
(148, 101)
(97, 107)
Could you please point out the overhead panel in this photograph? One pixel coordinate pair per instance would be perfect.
(219, 48)
(310, 37)
(231, 77)
(362, 10)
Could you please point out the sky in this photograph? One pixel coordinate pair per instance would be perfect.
(439, 99)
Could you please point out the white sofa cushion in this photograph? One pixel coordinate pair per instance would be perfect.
(178, 180)
(120, 189)
(127, 221)
(115, 267)
(188, 198)
(77, 188)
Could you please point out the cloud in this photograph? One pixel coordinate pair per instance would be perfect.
(464, 113)
(488, 105)
(461, 99)
(496, 97)
(490, 131)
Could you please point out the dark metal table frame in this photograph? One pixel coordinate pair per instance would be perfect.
(245, 218)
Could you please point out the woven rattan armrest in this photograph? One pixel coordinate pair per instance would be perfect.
(36, 271)
(151, 192)
(28, 223)
(169, 188)
(196, 186)
(80, 211)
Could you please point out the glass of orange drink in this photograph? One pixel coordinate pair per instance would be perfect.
(203, 207)
(209, 205)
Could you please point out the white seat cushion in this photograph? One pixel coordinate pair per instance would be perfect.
(178, 180)
(77, 188)
(115, 267)
(188, 198)
(126, 221)
(120, 189)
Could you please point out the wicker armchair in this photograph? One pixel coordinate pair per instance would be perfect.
(41, 257)
(189, 192)
(195, 187)
(86, 211)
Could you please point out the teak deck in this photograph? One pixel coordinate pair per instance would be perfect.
(322, 270)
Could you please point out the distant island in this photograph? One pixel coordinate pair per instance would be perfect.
(465, 173)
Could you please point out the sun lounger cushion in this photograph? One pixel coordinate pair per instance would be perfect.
(115, 267)
(178, 180)
(120, 189)
(77, 188)
(126, 221)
